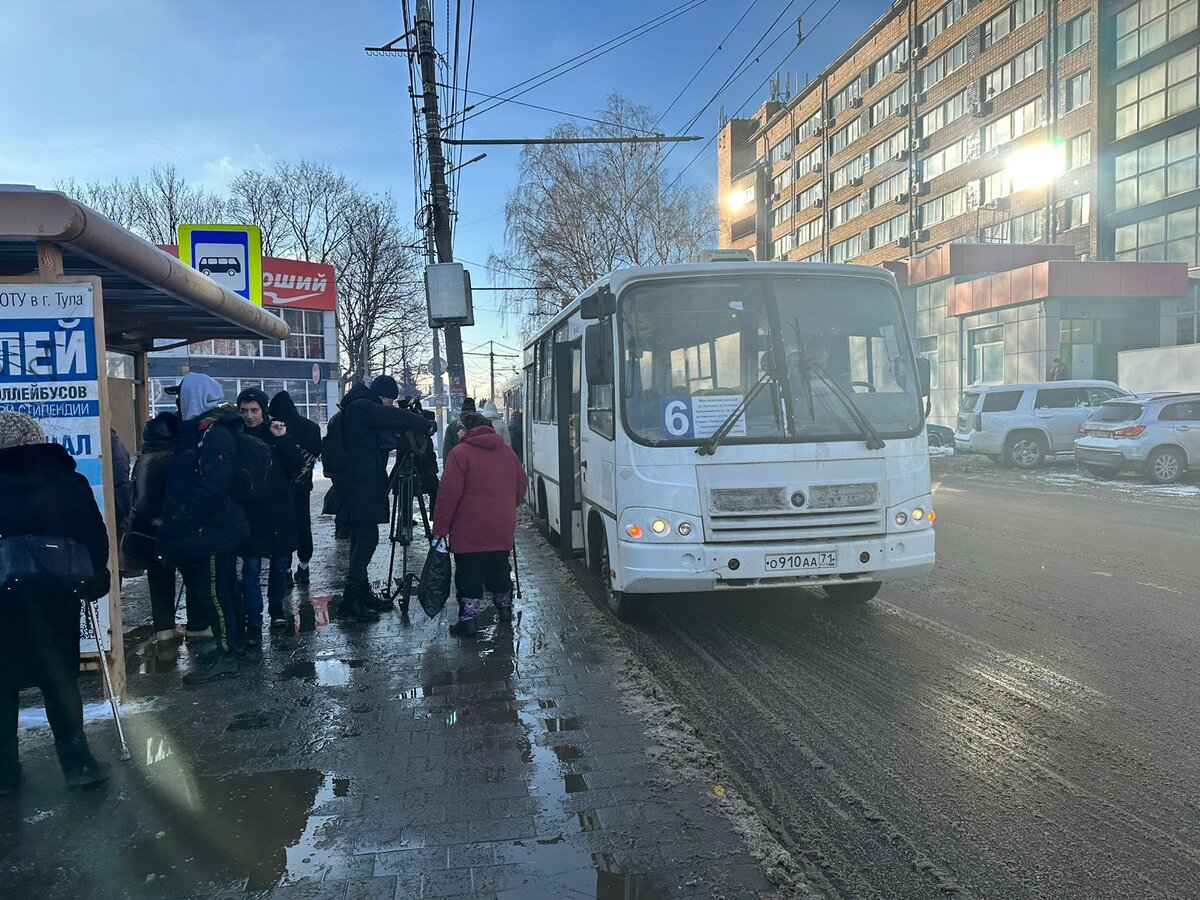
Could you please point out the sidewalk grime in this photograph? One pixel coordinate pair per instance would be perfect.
(388, 760)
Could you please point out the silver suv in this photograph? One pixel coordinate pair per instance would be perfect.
(1021, 424)
(1156, 434)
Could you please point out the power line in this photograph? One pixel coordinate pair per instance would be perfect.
(560, 112)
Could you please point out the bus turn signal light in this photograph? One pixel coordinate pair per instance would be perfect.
(634, 531)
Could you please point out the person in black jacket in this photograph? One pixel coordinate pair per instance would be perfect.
(42, 494)
(307, 435)
(202, 525)
(272, 521)
(362, 484)
(454, 426)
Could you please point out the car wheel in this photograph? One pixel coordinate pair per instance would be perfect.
(997, 458)
(1104, 471)
(934, 440)
(1025, 451)
(858, 592)
(1164, 466)
(619, 602)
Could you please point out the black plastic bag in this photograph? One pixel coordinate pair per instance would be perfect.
(435, 580)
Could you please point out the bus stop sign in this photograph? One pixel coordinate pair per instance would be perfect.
(231, 255)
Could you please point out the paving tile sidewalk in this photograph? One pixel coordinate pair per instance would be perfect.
(386, 760)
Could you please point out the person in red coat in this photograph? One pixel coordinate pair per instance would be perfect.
(482, 486)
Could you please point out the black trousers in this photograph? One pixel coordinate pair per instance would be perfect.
(475, 572)
(212, 580)
(161, 581)
(364, 538)
(39, 646)
(304, 552)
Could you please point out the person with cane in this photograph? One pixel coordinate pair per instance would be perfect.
(482, 486)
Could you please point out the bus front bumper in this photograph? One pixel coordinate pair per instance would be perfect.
(683, 568)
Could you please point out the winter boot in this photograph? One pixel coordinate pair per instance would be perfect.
(300, 578)
(80, 768)
(468, 619)
(214, 668)
(10, 769)
(503, 604)
(351, 607)
(374, 602)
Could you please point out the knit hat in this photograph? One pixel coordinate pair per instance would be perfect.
(254, 395)
(385, 386)
(468, 405)
(18, 430)
(475, 420)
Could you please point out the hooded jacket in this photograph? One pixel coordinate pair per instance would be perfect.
(306, 433)
(150, 474)
(362, 484)
(482, 486)
(200, 519)
(273, 521)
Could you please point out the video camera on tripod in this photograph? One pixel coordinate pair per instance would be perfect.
(405, 486)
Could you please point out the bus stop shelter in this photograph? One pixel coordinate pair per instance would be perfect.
(82, 302)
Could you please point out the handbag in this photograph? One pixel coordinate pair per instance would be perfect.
(32, 562)
(435, 579)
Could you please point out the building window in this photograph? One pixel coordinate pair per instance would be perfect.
(889, 148)
(1075, 33)
(1013, 72)
(816, 257)
(808, 127)
(808, 197)
(928, 348)
(782, 181)
(1026, 229)
(997, 185)
(1150, 24)
(780, 150)
(842, 98)
(781, 246)
(944, 160)
(986, 355)
(887, 232)
(847, 173)
(942, 19)
(846, 250)
(887, 64)
(950, 61)
(844, 212)
(1008, 21)
(952, 109)
(1077, 91)
(1170, 237)
(889, 189)
(1079, 151)
(1161, 169)
(808, 161)
(810, 231)
(1075, 212)
(889, 105)
(1158, 93)
(945, 207)
(307, 340)
(844, 137)
(1018, 122)
(1187, 319)
(781, 213)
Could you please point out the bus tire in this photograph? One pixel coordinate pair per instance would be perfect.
(854, 592)
(542, 514)
(619, 602)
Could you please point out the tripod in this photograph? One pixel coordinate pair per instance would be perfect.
(405, 487)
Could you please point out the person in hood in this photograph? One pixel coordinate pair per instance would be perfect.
(307, 435)
(202, 524)
(272, 521)
(122, 486)
(148, 495)
(516, 434)
(454, 427)
(362, 484)
(482, 486)
(42, 494)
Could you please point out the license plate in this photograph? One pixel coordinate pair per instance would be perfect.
(801, 562)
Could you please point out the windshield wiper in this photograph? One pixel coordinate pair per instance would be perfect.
(867, 431)
(722, 432)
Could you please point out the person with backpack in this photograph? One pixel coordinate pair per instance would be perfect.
(272, 519)
(454, 427)
(356, 452)
(307, 435)
(203, 524)
(47, 509)
(482, 486)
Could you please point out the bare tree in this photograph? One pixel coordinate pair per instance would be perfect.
(255, 196)
(111, 199)
(582, 210)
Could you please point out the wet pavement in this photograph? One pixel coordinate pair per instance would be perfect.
(386, 760)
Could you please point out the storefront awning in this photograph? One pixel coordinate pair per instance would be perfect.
(148, 294)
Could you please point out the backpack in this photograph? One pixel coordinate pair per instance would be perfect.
(251, 468)
(333, 446)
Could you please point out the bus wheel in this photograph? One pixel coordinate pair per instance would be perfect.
(856, 592)
(542, 514)
(619, 602)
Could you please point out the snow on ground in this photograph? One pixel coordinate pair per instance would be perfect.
(34, 718)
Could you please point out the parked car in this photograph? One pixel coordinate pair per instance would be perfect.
(939, 435)
(1156, 434)
(1021, 424)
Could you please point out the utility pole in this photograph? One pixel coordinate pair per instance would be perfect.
(439, 194)
(492, 367)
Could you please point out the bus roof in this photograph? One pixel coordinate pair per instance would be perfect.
(618, 279)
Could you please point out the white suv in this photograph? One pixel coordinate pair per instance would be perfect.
(1022, 424)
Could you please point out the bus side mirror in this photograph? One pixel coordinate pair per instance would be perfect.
(598, 353)
(598, 304)
(923, 374)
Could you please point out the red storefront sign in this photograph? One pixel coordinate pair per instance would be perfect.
(290, 283)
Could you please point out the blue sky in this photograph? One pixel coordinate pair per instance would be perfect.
(101, 88)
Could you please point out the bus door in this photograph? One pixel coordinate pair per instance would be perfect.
(568, 359)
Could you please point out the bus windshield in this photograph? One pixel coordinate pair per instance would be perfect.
(694, 349)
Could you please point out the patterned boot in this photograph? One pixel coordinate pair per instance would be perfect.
(503, 604)
(468, 619)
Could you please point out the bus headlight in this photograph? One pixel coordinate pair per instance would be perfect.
(901, 518)
(685, 528)
(918, 514)
(660, 526)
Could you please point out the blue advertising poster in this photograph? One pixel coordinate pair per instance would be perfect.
(50, 370)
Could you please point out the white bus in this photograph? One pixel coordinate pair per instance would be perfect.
(732, 425)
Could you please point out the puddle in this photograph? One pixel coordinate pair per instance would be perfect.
(547, 704)
(572, 870)
(325, 672)
(414, 693)
(574, 784)
(566, 753)
(311, 615)
(588, 820)
(246, 832)
(254, 721)
(571, 724)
